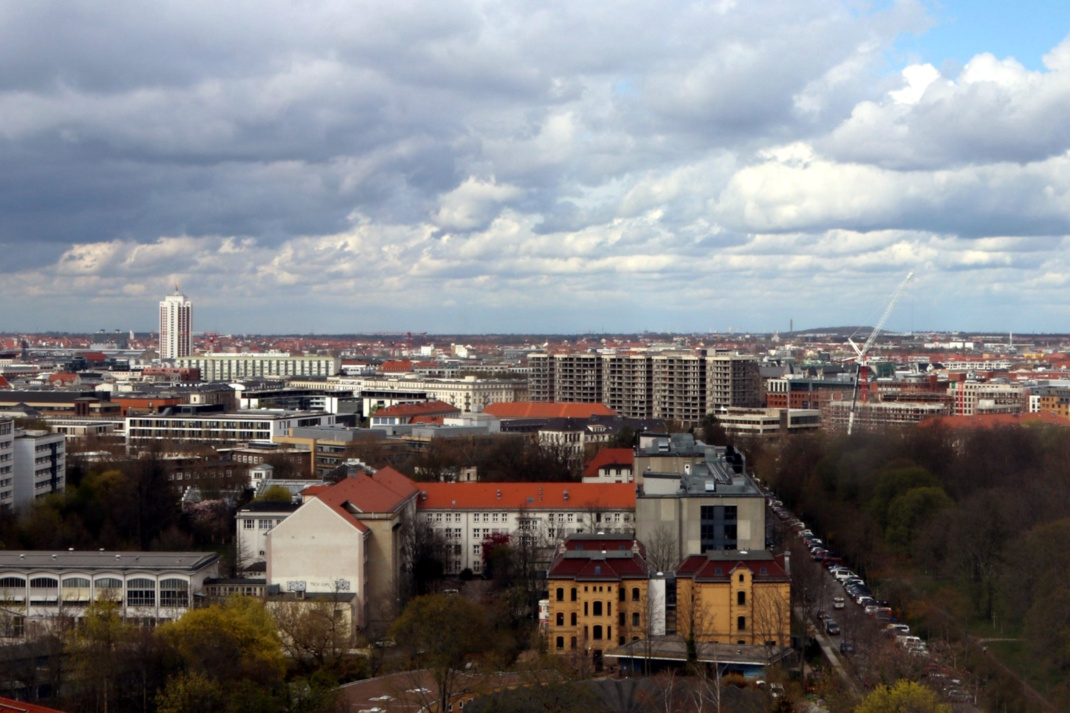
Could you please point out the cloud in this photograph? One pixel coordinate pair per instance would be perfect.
(494, 165)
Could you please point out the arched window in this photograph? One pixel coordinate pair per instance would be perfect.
(560, 594)
(109, 588)
(741, 598)
(44, 590)
(141, 592)
(573, 594)
(597, 632)
(574, 622)
(76, 590)
(597, 609)
(560, 618)
(741, 623)
(635, 594)
(635, 618)
(560, 643)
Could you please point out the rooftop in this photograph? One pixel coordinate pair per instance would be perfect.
(90, 560)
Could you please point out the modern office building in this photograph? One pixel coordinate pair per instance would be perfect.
(176, 326)
(40, 467)
(239, 427)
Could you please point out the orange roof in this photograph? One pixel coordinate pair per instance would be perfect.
(379, 493)
(607, 457)
(532, 496)
(62, 377)
(537, 409)
(396, 366)
(993, 420)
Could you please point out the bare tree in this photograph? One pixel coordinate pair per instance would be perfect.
(662, 549)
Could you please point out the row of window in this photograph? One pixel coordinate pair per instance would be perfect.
(574, 619)
(560, 593)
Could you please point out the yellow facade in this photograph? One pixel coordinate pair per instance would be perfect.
(737, 611)
(596, 616)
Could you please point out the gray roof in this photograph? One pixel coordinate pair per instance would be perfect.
(90, 560)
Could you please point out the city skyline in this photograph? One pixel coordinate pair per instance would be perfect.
(482, 168)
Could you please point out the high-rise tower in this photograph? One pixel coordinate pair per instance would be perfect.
(176, 326)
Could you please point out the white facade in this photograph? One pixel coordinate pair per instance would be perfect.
(238, 427)
(150, 587)
(176, 326)
(255, 521)
(229, 367)
(470, 394)
(7, 464)
(40, 466)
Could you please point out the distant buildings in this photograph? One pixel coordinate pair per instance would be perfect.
(231, 367)
(176, 326)
(679, 385)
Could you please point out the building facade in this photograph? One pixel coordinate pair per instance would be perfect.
(40, 467)
(599, 597)
(150, 587)
(734, 597)
(176, 326)
(231, 367)
(240, 427)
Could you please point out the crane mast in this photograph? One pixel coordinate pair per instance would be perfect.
(862, 372)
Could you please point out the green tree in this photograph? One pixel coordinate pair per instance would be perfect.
(275, 494)
(225, 644)
(903, 697)
(440, 631)
(93, 649)
(910, 512)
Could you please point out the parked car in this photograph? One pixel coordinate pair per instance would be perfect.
(831, 627)
(864, 600)
(897, 629)
(837, 603)
(846, 647)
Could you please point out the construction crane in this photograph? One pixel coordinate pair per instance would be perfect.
(862, 371)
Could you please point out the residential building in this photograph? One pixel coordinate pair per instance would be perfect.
(176, 326)
(985, 397)
(7, 463)
(734, 597)
(610, 465)
(347, 538)
(599, 595)
(425, 412)
(537, 515)
(732, 379)
(40, 467)
(150, 587)
(231, 367)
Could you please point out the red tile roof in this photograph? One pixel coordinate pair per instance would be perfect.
(536, 409)
(8, 705)
(609, 457)
(532, 496)
(383, 492)
(595, 560)
(702, 568)
(396, 367)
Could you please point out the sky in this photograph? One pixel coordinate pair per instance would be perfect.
(548, 167)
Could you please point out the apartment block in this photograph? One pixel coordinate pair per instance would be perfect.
(230, 367)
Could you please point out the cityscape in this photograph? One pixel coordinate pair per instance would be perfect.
(689, 357)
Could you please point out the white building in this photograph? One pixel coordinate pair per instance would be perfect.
(255, 521)
(40, 467)
(7, 463)
(231, 367)
(470, 394)
(176, 326)
(239, 427)
(539, 514)
(150, 587)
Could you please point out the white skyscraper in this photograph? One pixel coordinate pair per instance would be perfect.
(176, 326)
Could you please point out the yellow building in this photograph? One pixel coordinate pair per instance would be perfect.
(598, 594)
(734, 597)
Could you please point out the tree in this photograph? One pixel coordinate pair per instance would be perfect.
(662, 550)
(275, 494)
(224, 644)
(903, 697)
(440, 631)
(316, 635)
(94, 652)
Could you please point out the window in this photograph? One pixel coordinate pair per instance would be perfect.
(560, 618)
(740, 576)
(597, 608)
(622, 594)
(573, 642)
(741, 598)
(560, 594)
(597, 632)
(249, 524)
(573, 594)
(620, 618)
(741, 623)
(141, 593)
(585, 609)
(635, 594)
(574, 622)
(560, 643)
(110, 588)
(635, 618)
(609, 608)
(174, 593)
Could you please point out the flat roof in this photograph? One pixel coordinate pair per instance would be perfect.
(109, 560)
(674, 648)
